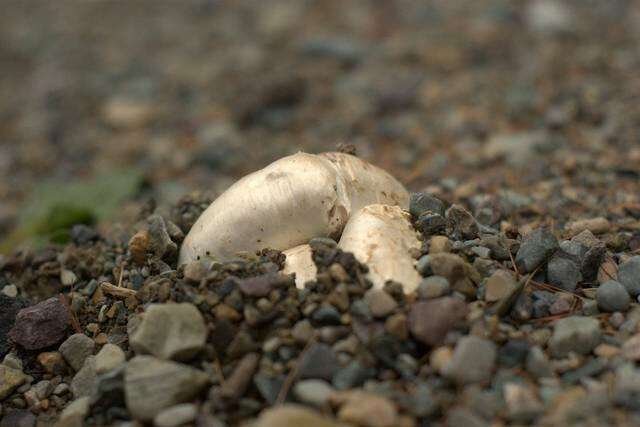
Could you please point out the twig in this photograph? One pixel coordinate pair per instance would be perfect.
(72, 316)
(293, 374)
(121, 274)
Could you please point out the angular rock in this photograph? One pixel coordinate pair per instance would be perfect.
(10, 379)
(319, 362)
(41, 325)
(430, 321)
(76, 349)
(537, 247)
(460, 274)
(461, 224)
(563, 273)
(577, 334)
(170, 331)
(85, 382)
(473, 360)
(152, 385)
(421, 203)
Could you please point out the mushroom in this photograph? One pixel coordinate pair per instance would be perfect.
(287, 203)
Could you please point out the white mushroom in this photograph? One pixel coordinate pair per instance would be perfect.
(300, 261)
(287, 203)
(382, 237)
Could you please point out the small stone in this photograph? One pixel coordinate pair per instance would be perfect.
(612, 296)
(366, 410)
(629, 275)
(523, 405)
(461, 223)
(538, 364)
(68, 278)
(500, 284)
(430, 321)
(109, 358)
(43, 389)
(536, 248)
(473, 360)
(236, 385)
(319, 362)
(464, 417)
(563, 273)
(513, 353)
(325, 315)
(75, 412)
(52, 362)
(13, 361)
(597, 225)
(302, 331)
(290, 415)
(10, 379)
(195, 271)
(85, 382)
(562, 304)
(152, 385)
(170, 331)
(18, 418)
(439, 245)
(9, 307)
(61, 389)
(421, 203)
(430, 224)
(223, 311)
(259, 286)
(460, 274)
(396, 325)
(176, 416)
(433, 287)
(10, 290)
(313, 392)
(352, 375)
(575, 334)
(381, 303)
(631, 348)
(76, 349)
(41, 325)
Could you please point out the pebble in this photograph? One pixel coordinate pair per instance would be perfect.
(460, 274)
(68, 278)
(302, 331)
(326, 314)
(631, 348)
(85, 382)
(537, 363)
(170, 331)
(629, 275)
(40, 325)
(380, 303)
(563, 273)
(152, 385)
(439, 245)
(259, 286)
(176, 416)
(612, 296)
(10, 379)
(313, 392)
(500, 284)
(462, 224)
(9, 307)
(75, 412)
(319, 362)
(52, 362)
(292, 415)
(76, 349)
(523, 405)
(195, 271)
(18, 418)
(13, 361)
(109, 358)
(433, 287)
(396, 325)
(366, 409)
(10, 290)
(577, 334)
(535, 249)
(473, 360)
(352, 375)
(236, 385)
(597, 225)
(430, 321)
(421, 203)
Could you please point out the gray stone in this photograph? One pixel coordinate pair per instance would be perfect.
(430, 321)
(76, 349)
(352, 375)
(577, 334)
(151, 385)
(319, 361)
(170, 331)
(313, 392)
(536, 248)
(10, 379)
(538, 364)
(563, 273)
(629, 275)
(75, 412)
(612, 296)
(421, 203)
(85, 382)
(108, 358)
(176, 416)
(473, 360)
(433, 287)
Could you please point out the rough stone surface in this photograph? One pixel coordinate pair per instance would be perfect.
(152, 385)
(421, 203)
(612, 296)
(563, 273)
(629, 275)
(170, 331)
(9, 307)
(575, 334)
(85, 382)
(536, 248)
(473, 360)
(41, 325)
(10, 379)
(76, 349)
(430, 321)
(108, 358)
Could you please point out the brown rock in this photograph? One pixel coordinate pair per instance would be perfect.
(41, 325)
(597, 225)
(430, 321)
(440, 244)
(380, 302)
(52, 362)
(499, 285)
(235, 386)
(460, 274)
(365, 409)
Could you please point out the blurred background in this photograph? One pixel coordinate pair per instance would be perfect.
(107, 105)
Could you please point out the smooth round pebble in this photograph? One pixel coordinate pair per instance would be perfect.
(612, 296)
